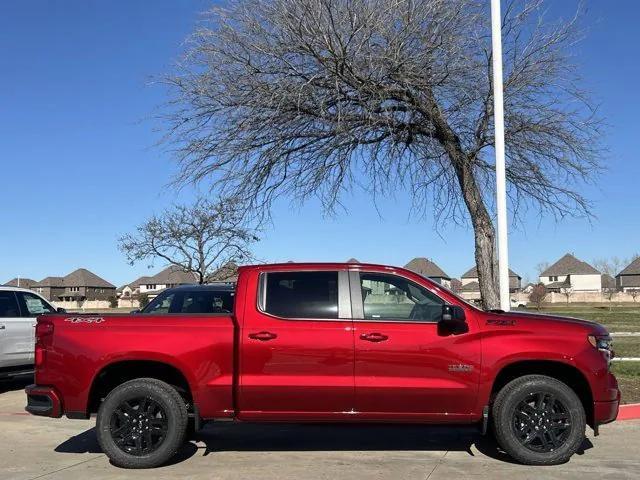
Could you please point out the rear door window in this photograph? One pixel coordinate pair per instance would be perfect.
(301, 294)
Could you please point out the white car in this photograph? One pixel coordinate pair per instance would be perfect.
(19, 308)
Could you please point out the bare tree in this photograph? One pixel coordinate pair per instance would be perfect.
(313, 97)
(202, 238)
(538, 295)
(567, 292)
(541, 267)
(609, 293)
(610, 266)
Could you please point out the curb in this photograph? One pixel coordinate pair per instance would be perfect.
(629, 412)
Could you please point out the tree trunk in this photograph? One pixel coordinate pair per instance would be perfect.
(484, 233)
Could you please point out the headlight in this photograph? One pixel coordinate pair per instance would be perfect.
(604, 344)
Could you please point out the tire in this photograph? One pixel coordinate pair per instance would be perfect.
(157, 430)
(538, 420)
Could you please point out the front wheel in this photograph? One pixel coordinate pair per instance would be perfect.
(538, 420)
(142, 423)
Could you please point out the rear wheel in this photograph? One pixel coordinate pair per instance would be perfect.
(142, 423)
(538, 420)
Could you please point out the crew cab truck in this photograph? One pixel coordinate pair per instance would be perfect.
(327, 343)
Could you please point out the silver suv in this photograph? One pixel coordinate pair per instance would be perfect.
(19, 308)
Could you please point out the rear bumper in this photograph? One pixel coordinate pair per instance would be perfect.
(43, 401)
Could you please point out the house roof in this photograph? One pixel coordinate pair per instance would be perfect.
(173, 275)
(84, 278)
(22, 282)
(50, 282)
(426, 268)
(632, 269)
(353, 260)
(456, 285)
(138, 281)
(226, 273)
(608, 281)
(473, 273)
(569, 265)
(470, 287)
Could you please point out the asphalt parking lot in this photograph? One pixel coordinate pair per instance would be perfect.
(34, 448)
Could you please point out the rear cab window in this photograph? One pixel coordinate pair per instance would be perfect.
(304, 295)
(8, 304)
(196, 301)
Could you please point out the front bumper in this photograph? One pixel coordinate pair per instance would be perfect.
(43, 401)
(606, 412)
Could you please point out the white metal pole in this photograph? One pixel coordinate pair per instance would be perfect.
(501, 189)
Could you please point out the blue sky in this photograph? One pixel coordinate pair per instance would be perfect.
(79, 166)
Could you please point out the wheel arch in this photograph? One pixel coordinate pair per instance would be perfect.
(120, 371)
(566, 373)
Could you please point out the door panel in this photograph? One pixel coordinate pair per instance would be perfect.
(296, 366)
(16, 333)
(405, 363)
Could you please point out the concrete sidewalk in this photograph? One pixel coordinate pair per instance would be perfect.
(46, 448)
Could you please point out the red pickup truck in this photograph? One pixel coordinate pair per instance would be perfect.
(327, 343)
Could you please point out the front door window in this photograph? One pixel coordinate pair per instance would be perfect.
(393, 298)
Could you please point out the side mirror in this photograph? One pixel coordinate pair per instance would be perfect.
(61, 310)
(452, 314)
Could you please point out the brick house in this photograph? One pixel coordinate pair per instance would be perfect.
(78, 286)
(629, 277)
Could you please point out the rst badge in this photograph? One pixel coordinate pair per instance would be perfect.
(84, 319)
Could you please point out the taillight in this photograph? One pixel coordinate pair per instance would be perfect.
(44, 334)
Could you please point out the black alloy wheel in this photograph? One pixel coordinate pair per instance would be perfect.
(538, 420)
(142, 423)
(541, 422)
(139, 426)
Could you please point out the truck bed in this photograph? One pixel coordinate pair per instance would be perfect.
(87, 348)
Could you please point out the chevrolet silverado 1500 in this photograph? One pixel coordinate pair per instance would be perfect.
(327, 343)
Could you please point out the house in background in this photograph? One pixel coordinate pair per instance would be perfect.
(608, 283)
(470, 281)
(20, 283)
(571, 273)
(78, 286)
(228, 273)
(427, 268)
(49, 287)
(629, 277)
(151, 286)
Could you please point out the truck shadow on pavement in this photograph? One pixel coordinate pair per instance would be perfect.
(248, 437)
